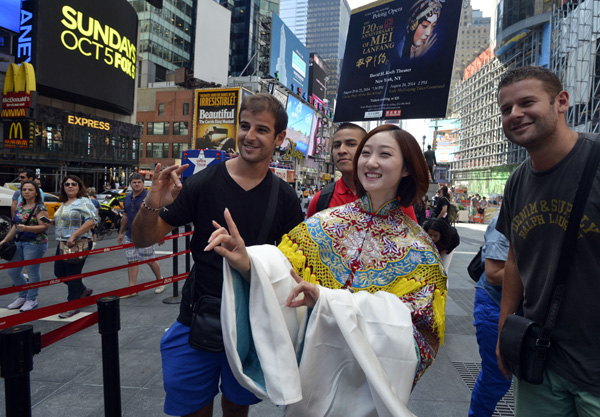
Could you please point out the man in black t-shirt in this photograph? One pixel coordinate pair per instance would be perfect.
(537, 206)
(242, 185)
(431, 161)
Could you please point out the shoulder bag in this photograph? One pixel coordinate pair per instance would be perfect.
(523, 342)
(206, 333)
(475, 268)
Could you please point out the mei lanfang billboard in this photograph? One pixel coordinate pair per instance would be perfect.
(398, 60)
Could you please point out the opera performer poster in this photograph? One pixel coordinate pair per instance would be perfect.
(398, 60)
(216, 119)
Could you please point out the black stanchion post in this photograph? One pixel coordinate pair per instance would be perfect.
(175, 299)
(188, 238)
(17, 346)
(109, 324)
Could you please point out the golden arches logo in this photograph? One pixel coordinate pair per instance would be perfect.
(20, 78)
(17, 129)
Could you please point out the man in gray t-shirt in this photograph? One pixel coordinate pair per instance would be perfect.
(535, 211)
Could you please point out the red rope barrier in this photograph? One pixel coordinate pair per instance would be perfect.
(69, 329)
(14, 320)
(78, 254)
(54, 281)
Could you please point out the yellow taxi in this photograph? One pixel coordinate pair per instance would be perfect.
(52, 203)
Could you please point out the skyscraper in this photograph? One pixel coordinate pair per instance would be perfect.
(326, 32)
(294, 14)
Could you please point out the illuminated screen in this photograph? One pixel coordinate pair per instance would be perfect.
(9, 16)
(300, 122)
(85, 51)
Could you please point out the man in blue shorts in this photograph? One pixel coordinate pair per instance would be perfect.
(243, 185)
(132, 204)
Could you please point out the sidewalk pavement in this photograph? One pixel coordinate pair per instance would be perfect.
(67, 376)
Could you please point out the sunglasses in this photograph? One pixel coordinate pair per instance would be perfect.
(71, 184)
(22, 178)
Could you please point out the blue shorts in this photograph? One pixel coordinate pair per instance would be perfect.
(191, 377)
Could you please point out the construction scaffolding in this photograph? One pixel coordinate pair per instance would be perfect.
(486, 158)
(575, 59)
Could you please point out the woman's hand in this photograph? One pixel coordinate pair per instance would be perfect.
(165, 186)
(230, 245)
(71, 241)
(20, 227)
(311, 293)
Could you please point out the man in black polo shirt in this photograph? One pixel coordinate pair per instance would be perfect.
(243, 185)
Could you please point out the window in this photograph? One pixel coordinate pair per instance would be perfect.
(158, 128)
(180, 128)
(157, 150)
(161, 109)
(186, 109)
(178, 148)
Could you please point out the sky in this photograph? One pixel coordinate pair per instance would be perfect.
(486, 6)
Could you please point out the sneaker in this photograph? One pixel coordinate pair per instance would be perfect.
(135, 294)
(159, 290)
(29, 305)
(19, 301)
(68, 314)
(86, 293)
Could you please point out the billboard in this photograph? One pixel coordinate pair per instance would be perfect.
(83, 51)
(446, 145)
(10, 15)
(300, 127)
(289, 57)
(398, 60)
(216, 118)
(211, 55)
(317, 75)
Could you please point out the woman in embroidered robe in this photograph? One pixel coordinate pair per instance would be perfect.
(367, 246)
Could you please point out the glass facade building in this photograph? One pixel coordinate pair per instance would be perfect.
(165, 38)
(294, 14)
(326, 33)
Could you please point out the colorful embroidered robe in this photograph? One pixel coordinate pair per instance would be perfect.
(352, 246)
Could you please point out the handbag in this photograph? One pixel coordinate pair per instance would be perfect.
(206, 333)
(523, 342)
(81, 245)
(475, 268)
(7, 250)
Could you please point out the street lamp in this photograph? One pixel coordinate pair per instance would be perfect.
(424, 137)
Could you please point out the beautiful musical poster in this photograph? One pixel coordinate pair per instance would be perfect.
(398, 60)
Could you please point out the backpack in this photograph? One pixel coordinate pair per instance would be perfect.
(325, 197)
(452, 212)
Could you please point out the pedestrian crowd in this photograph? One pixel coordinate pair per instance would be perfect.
(332, 302)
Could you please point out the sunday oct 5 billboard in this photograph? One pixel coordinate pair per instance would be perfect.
(82, 51)
(398, 60)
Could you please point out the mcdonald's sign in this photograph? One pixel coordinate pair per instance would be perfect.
(17, 134)
(18, 93)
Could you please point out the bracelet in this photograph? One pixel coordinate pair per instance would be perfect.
(153, 209)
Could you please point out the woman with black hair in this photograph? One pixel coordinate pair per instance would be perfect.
(421, 24)
(444, 236)
(442, 203)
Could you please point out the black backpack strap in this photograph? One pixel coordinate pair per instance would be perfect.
(325, 197)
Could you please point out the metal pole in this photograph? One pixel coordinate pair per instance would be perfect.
(188, 228)
(109, 324)
(17, 346)
(175, 299)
